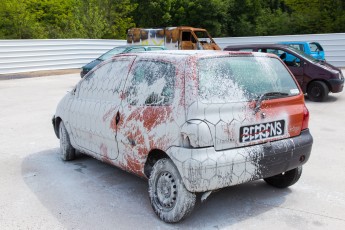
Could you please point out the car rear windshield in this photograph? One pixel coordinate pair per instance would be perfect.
(243, 78)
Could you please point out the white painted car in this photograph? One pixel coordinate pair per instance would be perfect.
(189, 121)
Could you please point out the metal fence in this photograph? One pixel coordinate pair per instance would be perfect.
(18, 56)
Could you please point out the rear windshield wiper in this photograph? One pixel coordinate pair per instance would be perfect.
(265, 96)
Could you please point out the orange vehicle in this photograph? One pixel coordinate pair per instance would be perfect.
(174, 38)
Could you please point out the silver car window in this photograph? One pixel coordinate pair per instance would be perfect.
(152, 83)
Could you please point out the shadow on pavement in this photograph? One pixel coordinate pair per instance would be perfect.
(88, 194)
(43, 73)
(330, 98)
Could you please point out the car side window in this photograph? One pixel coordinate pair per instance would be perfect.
(288, 58)
(297, 46)
(246, 50)
(301, 47)
(314, 47)
(156, 48)
(105, 82)
(136, 49)
(272, 51)
(152, 84)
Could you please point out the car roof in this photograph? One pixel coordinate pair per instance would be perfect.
(294, 42)
(130, 46)
(265, 46)
(259, 45)
(298, 42)
(196, 53)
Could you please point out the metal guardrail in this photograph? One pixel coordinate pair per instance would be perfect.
(18, 56)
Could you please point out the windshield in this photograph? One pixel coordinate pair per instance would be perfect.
(111, 53)
(304, 55)
(235, 79)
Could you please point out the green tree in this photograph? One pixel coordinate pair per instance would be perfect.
(273, 22)
(317, 16)
(242, 16)
(90, 19)
(156, 13)
(118, 17)
(112, 18)
(18, 23)
(56, 16)
(208, 14)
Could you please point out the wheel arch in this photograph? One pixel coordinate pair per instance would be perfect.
(57, 121)
(322, 80)
(153, 156)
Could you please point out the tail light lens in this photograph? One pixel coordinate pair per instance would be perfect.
(305, 122)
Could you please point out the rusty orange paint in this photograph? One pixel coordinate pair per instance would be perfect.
(156, 116)
(134, 165)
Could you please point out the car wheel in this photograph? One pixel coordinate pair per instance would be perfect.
(169, 198)
(66, 149)
(317, 91)
(286, 179)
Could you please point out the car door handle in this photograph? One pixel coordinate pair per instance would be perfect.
(117, 119)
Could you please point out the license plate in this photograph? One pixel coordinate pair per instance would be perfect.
(262, 131)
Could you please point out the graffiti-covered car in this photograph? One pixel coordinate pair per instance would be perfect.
(190, 122)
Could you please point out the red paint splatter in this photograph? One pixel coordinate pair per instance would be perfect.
(153, 117)
(134, 165)
(104, 150)
(107, 114)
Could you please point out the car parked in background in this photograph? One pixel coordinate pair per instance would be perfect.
(311, 48)
(189, 122)
(117, 50)
(317, 78)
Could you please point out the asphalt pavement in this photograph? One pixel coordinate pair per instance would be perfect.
(40, 191)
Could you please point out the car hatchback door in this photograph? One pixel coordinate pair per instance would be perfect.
(247, 100)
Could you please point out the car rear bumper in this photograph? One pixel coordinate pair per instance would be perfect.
(205, 169)
(337, 85)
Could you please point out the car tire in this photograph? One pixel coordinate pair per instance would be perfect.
(286, 179)
(317, 91)
(170, 199)
(67, 152)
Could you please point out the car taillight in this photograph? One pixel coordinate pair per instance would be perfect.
(305, 122)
